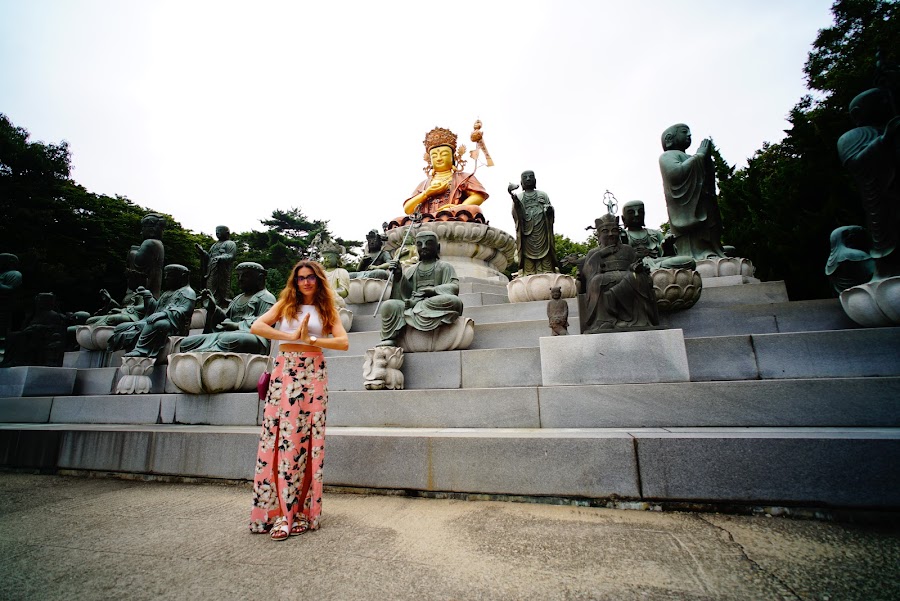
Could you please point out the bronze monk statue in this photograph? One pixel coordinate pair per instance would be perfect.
(648, 243)
(216, 265)
(533, 216)
(374, 263)
(150, 256)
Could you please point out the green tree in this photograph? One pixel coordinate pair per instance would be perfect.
(781, 208)
(566, 246)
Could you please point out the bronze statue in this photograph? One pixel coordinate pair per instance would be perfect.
(131, 308)
(216, 265)
(43, 340)
(558, 312)
(533, 215)
(850, 262)
(338, 277)
(168, 316)
(150, 256)
(229, 331)
(374, 264)
(10, 284)
(689, 183)
(648, 243)
(424, 298)
(617, 285)
(871, 153)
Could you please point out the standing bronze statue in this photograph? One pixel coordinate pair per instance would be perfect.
(216, 265)
(168, 316)
(149, 258)
(425, 297)
(689, 183)
(533, 215)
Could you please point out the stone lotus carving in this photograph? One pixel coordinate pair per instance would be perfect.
(724, 266)
(676, 289)
(448, 337)
(537, 287)
(136, 372)
(366, 290)
(93, 338)
(874, 304)
(212, 373)
(381, 370)
(346, 316)
(474, 249)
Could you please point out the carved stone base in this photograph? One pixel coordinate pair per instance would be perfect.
(381, 370)
(212, 373)
(537, 287)
(449, 337)
(346, 318)
(367, 290)
(722, 266)
(875, 304)
(676, 289)
(93, 338)
(136, 373)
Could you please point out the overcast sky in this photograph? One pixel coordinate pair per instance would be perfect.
(220, 112)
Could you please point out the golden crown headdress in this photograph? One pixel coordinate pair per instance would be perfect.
(440, 137)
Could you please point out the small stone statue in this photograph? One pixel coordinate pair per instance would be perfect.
(229, 331)
(689, 183)
(871, 153)
(617, 284)
(648, 243)
(381, 369)
(43, 340)
(170, 315)
(558, 312)
(338, 277)
(850, 262)
(150, 256)
(374, 264)
(533, 215)
(10, 283)
(423, 299)
(216, 265)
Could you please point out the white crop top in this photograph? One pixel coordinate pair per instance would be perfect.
(314, 325)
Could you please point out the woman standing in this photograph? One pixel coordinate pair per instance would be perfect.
(287, 486)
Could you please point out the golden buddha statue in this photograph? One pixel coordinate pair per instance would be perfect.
(447, 194)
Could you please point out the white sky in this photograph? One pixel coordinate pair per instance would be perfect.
(220, 112)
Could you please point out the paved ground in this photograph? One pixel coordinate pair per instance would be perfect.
(77, 538)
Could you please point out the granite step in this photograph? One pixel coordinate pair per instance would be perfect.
(817, 467)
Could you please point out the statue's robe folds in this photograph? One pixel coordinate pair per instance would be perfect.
(690, 189)
(533, 216)
(218, 272)
(461, 186)
(149, 335)
(365, 266)
(243, 310)
(423, 314)
(874, 164)
(617, 297)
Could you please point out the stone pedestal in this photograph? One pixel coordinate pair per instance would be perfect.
(213, 373)
(475, 250)
(448, 337)
(93, 337)
(614, 358)
(676, 289)
(367, 290)
(381, 370)
(725, 266)
(874, 304)
(537, 287)
(135, 378)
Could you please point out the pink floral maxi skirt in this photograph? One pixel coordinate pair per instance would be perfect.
(288, 478)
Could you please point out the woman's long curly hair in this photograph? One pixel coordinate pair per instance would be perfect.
(290, 299)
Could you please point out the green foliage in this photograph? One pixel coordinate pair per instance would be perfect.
(780, 209)
(566, 247)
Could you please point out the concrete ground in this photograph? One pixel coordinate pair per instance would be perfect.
(79, 538)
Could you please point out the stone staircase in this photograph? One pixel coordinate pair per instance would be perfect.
(788, 403)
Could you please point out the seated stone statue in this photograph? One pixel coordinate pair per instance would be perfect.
(374, 264)
(871, 153)
(616, 283)
(131, 308)
(689, 183)
(424, 298)
(558, 313)
(533, 215)
(647, 243)
(150, 256)
(447, 190)
(216, 265)
(338, 277)
(229, 331)
(168, 316)
(43, 340)
(10, 283)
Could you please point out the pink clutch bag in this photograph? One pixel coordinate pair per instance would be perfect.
(262, 387)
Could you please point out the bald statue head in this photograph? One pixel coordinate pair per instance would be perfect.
(872, 107)
(176, 276)
(427, 246)
(676, 137)
(633, 214)
(251, 277)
